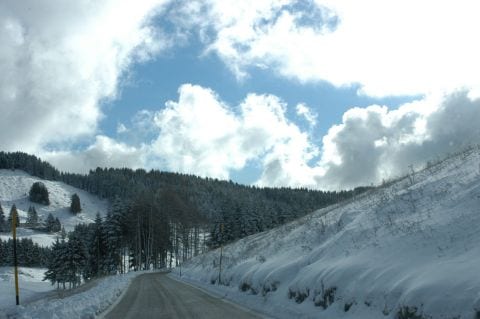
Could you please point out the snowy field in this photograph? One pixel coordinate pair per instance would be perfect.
(14, 188)
(407, 250)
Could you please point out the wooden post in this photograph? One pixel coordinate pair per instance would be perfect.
(15, 259)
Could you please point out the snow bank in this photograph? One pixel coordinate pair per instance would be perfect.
(86, 304)
(408, 248)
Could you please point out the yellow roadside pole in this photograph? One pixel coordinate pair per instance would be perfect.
(15, 260)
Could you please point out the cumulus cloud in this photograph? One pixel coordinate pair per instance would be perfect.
(200, 134)
(385, 47)
(376, 143)
(60, 59)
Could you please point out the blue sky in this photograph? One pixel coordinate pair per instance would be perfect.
(149, 85)
(322, 93)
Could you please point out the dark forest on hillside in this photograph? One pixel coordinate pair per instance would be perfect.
(158, 217)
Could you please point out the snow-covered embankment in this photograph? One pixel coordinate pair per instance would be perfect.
(408, 248)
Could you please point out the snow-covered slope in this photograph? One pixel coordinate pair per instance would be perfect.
(409, 248)
(30, 282)
(14, 188)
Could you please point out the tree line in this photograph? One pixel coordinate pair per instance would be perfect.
(158, 219)
(243, 210)
(29, 254)
(138, 235)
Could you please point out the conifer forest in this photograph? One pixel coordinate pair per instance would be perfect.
(158, 219)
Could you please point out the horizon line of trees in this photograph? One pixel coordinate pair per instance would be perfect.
(159, 219)
(244, 210)
(29, 254)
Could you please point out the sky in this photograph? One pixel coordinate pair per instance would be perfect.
(326, 94)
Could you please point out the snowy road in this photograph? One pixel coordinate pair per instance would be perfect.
(159, 296)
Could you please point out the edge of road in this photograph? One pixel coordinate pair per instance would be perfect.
(120, 297)
(220, 297)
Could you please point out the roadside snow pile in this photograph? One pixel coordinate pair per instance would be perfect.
(86, 304)
(409, 249)
(14, 188)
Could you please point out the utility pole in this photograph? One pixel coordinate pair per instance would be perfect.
(15, 259)
(221, 255)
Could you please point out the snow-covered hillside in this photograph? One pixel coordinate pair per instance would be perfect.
(410, 249)
(14, 188)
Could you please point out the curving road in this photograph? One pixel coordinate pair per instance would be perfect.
(159, 296)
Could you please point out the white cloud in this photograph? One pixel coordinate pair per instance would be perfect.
(202, 135)
(105, 152)
(376, 143)
(304, 111)
(59, 59)
(387, 47)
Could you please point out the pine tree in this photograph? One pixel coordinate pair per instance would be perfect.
(113, 241)
(63, 233)
(76, 260)
(39, 193)
(50, 223)
(32, 217)
(10, 218)
(75, 206)
(96, 250)
(56, 225)
(3, 222)
(57, 267)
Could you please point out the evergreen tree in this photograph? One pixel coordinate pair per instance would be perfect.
(76, 259)
(32, 217)
(39, 193)
(57, 267)
(53, 264)
(56, 225)
(96, 249)
(3, 222)
(75, 206)
(50, 223)
(29, 254)
(113, 240)
(10, 217)
(63, 233)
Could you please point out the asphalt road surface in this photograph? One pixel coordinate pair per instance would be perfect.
(159, 296)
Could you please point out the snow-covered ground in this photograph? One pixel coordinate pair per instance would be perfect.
(30, 283)
(14, 188)
(84, 304)
(410, 247)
